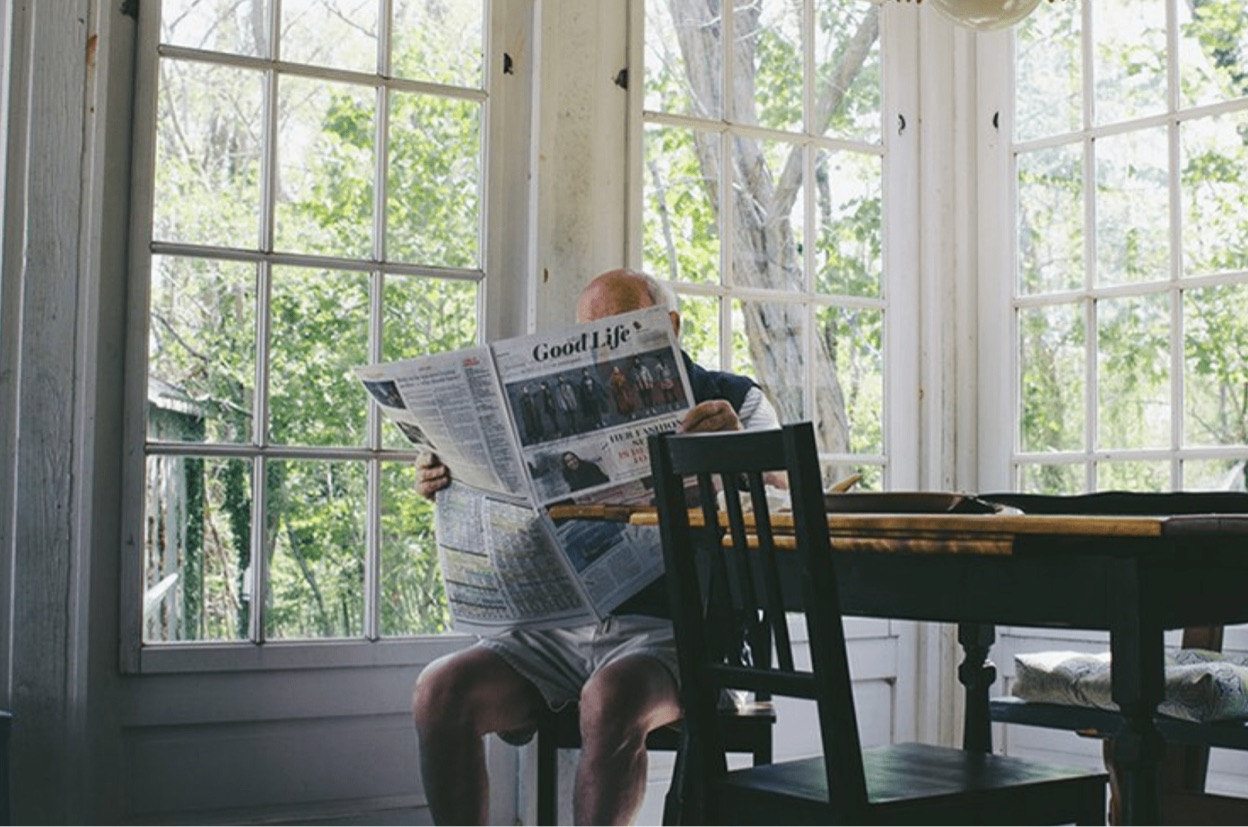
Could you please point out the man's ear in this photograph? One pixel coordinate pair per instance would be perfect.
(675, 317)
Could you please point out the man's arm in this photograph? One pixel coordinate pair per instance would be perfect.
(718, 415)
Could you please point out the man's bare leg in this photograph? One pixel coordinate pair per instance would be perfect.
(457, 700)
(619, 706)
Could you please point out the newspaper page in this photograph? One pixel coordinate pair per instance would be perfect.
(527, 423)
(451, 404)
(584, 401)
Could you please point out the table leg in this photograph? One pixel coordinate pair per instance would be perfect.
(976, 674)
(1137, 684)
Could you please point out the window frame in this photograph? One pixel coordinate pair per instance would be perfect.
(505, 260)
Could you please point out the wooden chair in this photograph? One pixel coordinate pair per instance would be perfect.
(1185, 766)
(711, 574)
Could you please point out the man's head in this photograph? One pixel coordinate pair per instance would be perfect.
(622, 291)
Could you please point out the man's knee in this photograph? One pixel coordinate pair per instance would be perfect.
(472, 689)
(623, 703)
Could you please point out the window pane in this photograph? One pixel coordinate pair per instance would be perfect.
(699, 330)
(201, 350)
(1052, 479)
(237, 26)
(1213, 50)
(1053, 383)
(769, 215)
(208, 138)
(315, 540)
(1129, 58)
(341, 34)
(1214, 184)
(1133, 476)
(671, 84)
(767, 342)
(1132, 208)
(412, 599)
(768, 36)
(1050, 220)
(1133, 357)
(433, 202)
(849, 225)
(319, 333)
(1215, 336)
(325, 163)
(440, 42)
(680, 219)
(197, 549)
(848, 394)
(1214, 475)
(847, 71)
(1048, 76)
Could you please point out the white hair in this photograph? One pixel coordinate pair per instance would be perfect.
(662, 295)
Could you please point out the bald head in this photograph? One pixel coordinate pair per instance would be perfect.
(622, 291)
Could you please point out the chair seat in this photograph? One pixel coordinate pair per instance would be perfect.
(916, 783)
(1103, 723)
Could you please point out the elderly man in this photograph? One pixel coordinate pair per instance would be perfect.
(622, 671)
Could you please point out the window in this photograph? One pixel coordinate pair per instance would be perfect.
(1130, 293)
(312, 173)
(763, 184)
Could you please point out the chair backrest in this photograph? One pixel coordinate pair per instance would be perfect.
(719, 576)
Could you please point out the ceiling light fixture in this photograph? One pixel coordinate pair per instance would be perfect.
(985, 15)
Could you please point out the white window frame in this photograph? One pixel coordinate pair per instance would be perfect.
(899, 300)
(506, 262)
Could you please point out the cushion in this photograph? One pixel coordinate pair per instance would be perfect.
(1201, 685)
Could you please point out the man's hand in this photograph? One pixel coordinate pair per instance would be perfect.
(711, 415)
(432, 475)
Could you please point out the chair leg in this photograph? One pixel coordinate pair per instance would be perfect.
(547, 774)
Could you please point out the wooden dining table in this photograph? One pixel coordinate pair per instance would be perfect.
(1134, 577)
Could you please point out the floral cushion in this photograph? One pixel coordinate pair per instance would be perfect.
(1200, 685)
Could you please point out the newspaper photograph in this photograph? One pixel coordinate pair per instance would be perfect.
(526, 423)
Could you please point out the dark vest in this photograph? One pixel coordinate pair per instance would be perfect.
(706, 384)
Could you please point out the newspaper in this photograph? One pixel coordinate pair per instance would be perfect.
(527, 423)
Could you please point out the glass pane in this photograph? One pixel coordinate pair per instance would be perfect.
(440, 42)
(412, 599)
(680, 222)
(1214, 475)
(325, 162)
(1215, 345)
(849, 223)
(1053, 387)
(1129, 58)
(319, 333)
(767, 346)
(235, 26)
(1214, 185)
(433, 201)
(847, 71)
(197, 549)
(314, 537)
(341, 34)
(1052, 479)
(1132, 208)
(671, 84)
(201, 350)
(1048, 74)
(208, 135)
(1213, 51)
(769, 215)
(1133, 476)
(699, 330)
(1133, 386)
(1050, 220)
(847, 400)
(768, 37)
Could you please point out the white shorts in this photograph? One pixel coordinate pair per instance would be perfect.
(560, 661)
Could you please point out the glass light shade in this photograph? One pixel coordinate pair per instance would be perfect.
(985, 14)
